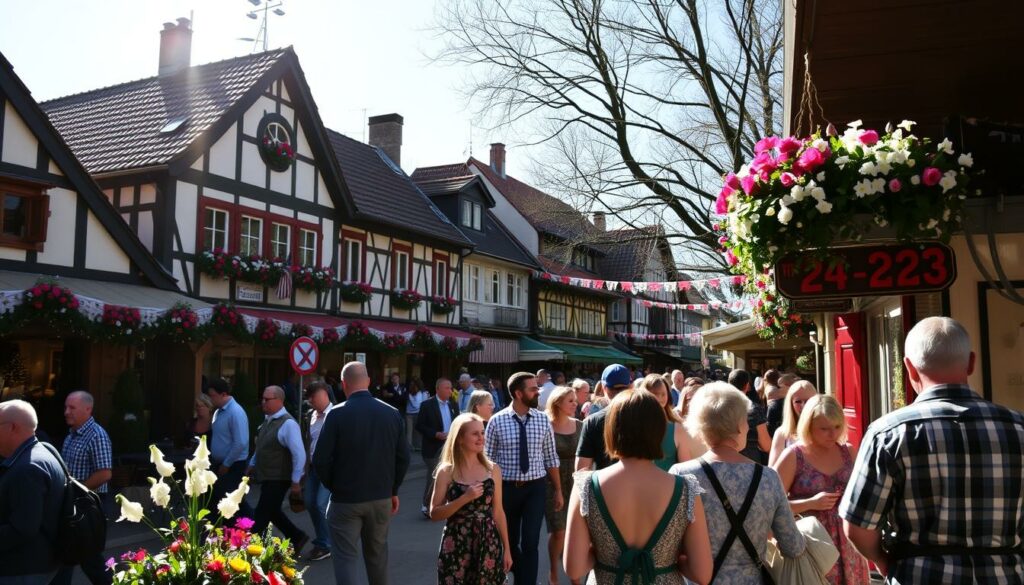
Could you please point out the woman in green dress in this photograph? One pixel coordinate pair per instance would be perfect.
(675, 445)
(561, 410)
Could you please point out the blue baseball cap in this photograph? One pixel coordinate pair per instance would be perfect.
(616, 375)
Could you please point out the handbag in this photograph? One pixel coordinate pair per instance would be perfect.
(736, 519)
(809, 568)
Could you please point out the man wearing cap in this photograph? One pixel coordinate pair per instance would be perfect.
(591, 449)
(465, 391)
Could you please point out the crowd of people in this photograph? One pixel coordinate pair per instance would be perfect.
(642, 479)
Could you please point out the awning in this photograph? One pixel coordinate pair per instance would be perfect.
(106, 292)
(531, 350)
(741, 336)
(597, 353)
(496, 351)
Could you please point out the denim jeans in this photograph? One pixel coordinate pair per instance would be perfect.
(317, 498)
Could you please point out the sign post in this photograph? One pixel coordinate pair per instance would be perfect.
(303, 355)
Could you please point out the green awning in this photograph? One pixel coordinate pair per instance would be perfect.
(597, 353)
(531, 350)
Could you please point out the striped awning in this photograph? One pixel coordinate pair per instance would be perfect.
(496, 351)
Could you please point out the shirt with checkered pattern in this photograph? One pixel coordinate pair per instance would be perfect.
(502, 444)
(948, 470)
(86, 451)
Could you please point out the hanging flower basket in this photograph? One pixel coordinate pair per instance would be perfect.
(474, 344)
(330, 337)
(443, 305)
(180, 323)
(355, 292)
(312, 278)
(800, 195)
(394, 343)
(359, 334)
(227, 319)
(120, 324)
(268, 331)
(422, 338)
(406, 299)
(255, 269)
(278, 154)
(217, 263)
(301, 330)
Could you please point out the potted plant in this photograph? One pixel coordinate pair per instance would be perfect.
(443, 305)
(355, 292)
(405, 299)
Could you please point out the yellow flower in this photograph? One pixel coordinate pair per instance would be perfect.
(239, 565)
(289, 572)
(255, 550)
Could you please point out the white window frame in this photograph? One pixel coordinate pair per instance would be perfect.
(478, 221)
(276, 241)
(246, 238)
(305, 249)
(441, 278)
(211, 232)
(492, 294)
(401, 270)
(473, 283)
(558, 316)
(615, 311)
(353, 260)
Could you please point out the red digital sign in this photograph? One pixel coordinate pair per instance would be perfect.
(874, 270)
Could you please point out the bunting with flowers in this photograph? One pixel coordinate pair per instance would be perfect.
(640, 287)
(686, 338)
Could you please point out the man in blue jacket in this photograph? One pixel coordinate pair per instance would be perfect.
(31, 492)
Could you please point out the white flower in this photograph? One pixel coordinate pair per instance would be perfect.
(842, 161)
(931, 224)
(855, 124)
(798, 193)
(906, 124)
(869, 168)
(966, 160)
(897, 134)
(878, 185)
(863, 188)
(820, 144)
(770, 212)
(820, 176)
(948, 181)
(946, 146)
(785, 215)
(229, 505)
(163, 467)
(200, 459)
(160, 492)
(199, 481)
(818, 193)
(824, 206)
(788, 200)
(915, 180)
(743, 172)
(911, 162)
(227, 508)
(130, 511)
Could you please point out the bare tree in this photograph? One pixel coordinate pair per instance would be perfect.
(640, 106)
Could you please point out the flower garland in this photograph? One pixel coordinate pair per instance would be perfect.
(422, 338)
(301, 330)
(329, 338)
(120, 324)
(268, 331)
(443, 305)
(406, 299)
(181, 324)
(355, 292)
(394, 342)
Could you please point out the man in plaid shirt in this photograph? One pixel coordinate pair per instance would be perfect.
(942, 480)
(87, 453)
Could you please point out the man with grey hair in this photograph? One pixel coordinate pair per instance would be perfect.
(278, 461)
(361, 457)
(31, 493)
(942, 478)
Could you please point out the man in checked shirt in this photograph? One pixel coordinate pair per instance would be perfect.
(942, 479)
(519, 439)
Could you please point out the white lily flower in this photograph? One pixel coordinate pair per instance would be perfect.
(946, 146)
(823, 207)
(160, 492)
(897, 134)
(818, 193)
(163, 467)
(878, 185)
(227, 508)
(966, 160)
(884, 167)
(130, 511)
(856, 124)
(785, 215)
(948, 181)
(869, 168)
(201, 458)
(906, 124)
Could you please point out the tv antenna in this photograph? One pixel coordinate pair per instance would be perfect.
(267, 9)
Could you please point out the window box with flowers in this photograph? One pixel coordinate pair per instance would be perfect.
(406, 299)
(355, 292)
(219, 264)
(443, 305)
(312, 278)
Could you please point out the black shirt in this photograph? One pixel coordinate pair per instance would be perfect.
(592, 440)
(775, 415)
(755, 418)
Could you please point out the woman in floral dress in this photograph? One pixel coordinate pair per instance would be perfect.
(815, 472)
(467, 493)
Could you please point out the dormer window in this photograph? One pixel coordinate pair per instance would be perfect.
(472, 214)
(24, 213)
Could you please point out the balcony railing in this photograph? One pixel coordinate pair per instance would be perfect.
(510, 317)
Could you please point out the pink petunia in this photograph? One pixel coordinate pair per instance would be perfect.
(766, 143)
(732, 181)
(868, 137)
(931, 176)
(731, 258)
(809, 160)
(750, 184)
(789, 145)
(787, 179)
(722, 203)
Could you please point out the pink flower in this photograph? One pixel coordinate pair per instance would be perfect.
(750, 185)
(766, 143)
(895, 185)
(732, 181)
(731, 258)
(448, 545)
(868, 137)
(789, 145)
(722, 203)
(809, 160)
(787, 179)
(763, 163)
(931, 176)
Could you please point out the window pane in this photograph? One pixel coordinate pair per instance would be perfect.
(441, 279)
(402, 271)
(15, 216)
(252, 235)
(215, 230)
(477, 211)
(307, 248)
(354, 261)
(467, 213)
(280, 243)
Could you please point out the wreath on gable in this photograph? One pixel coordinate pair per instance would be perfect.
(275, 142)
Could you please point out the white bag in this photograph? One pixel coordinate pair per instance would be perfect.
(811, 567)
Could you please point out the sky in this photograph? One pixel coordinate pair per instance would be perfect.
(360, 59)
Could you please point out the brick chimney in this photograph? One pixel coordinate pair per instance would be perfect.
(498, 158)
(175, 47)
(386, 134)
(599, 221)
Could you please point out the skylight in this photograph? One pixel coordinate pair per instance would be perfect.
(174, 125)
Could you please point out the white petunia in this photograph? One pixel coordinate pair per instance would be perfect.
(785, 215)
(915, 180)
(898, 156)
(130, 511)
(770, 212)
(824, 206)
(820, 144)
(863, 188)
(842, 161)
(906, 124)
(818, 193)
(966, 160)
(798, 193)
(948, 181)
(946, 146)
(869, 168)
(163, 467)
(820, 176)
(788, 200)
(878, 185)
(160, 492)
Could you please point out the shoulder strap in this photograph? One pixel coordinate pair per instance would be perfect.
(53, 450)
(602, 506)
(736, 520)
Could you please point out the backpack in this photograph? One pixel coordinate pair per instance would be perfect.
(81, 524)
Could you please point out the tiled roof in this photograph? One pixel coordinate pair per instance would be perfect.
(627, 259)
(381, 192)
(441, 172)
(118, 127)
(546, 213)
(562, 269)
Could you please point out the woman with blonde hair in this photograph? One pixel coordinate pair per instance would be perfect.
(631, 521)
(598, 400)
(201, 424)
(776, 396)
(467, 493)
(690, 387)
(732, 482)
(815, 472)
(481, 403)
(675, 445)
(786, 435)
(561, 408)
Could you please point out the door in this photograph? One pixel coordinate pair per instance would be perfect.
(851, 373)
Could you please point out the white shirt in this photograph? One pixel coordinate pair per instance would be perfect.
(316, 424)
(290, 436)
(545, 392)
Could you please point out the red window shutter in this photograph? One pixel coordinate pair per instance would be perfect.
(38, 219)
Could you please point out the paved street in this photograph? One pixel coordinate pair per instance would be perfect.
(414, 539)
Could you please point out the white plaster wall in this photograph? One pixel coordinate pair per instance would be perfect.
(321, 189)
(288, 113)
(59, 248)
(147, 193)
(12, 254)
(54, 169)
(186, 207)
(327, 248)
(255, 113)
(214, 287)
(305, 177)
(102, 252)
(20, 145)
(282, 182)
(307, 217)
(254, 171)
(145, 231)
(284, 93)
(222, 154)
(252, 203)
(301, 144)
(212, 194)
(278, 210)
(197, 165)
(510, 217)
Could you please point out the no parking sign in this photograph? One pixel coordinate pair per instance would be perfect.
(304, 356)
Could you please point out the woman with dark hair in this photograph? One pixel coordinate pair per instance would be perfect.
(676, 444)
(631, 521)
